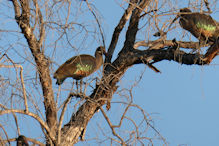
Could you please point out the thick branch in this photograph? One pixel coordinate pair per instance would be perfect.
(133, 26)
(42, 62)
(119, 28)
(41, 22)
(169, 54)
(212, 52)
(166, 43)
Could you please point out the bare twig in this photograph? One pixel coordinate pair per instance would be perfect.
(98, 23)
(5, 133)
(22, 82)
(41, 22)
(36, 117)
(35, 141)
(62, 117)
(123, 116)
(207, 6)
(16, 123)
(145, 119)
(148, 12)
(28, 139)
(111, 126)
(136, 127)
(23, 87)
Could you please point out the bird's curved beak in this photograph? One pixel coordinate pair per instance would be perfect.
(105, 53)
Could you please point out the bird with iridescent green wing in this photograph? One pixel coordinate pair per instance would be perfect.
(80, 66)
(204, 28)
(200, 25)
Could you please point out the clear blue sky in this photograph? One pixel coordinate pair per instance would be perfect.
(183, 101)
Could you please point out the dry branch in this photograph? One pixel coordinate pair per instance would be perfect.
(27, 138)
(211, 52)
(36, 117)
(112, 127)
(42, 63)
(22, 81)
(6, 134)
(118, 29)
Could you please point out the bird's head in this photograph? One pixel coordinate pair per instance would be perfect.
(184, 11)
(59, 76)
(100, 51)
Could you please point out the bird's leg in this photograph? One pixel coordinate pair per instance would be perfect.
(76, 86)
(72, 88)
(201, 44)
(81, 82)
(97, 80)
(198, 47)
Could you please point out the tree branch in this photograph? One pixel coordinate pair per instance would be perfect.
(28, 139)
(118, 29)
(1, 126)
(41, 22)
(62, 117)
(42, 62)
(21, 78)
(159, 44)
(212, 52)
(133, 26)
(36, 117)
(112, 127)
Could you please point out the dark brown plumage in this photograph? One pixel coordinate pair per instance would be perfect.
(202, 26)
(22, 141)
(80, 66)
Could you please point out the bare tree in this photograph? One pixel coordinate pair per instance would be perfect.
(46, 30)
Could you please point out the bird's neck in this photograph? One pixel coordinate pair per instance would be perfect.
(99, 60)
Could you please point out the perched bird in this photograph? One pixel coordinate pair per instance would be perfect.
(22, 141)
(80, 66)
(202, 26)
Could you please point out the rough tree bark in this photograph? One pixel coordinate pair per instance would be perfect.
(22, 17)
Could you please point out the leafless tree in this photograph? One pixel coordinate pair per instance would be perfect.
(44, 34)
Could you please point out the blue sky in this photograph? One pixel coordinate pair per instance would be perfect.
(182, 101)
